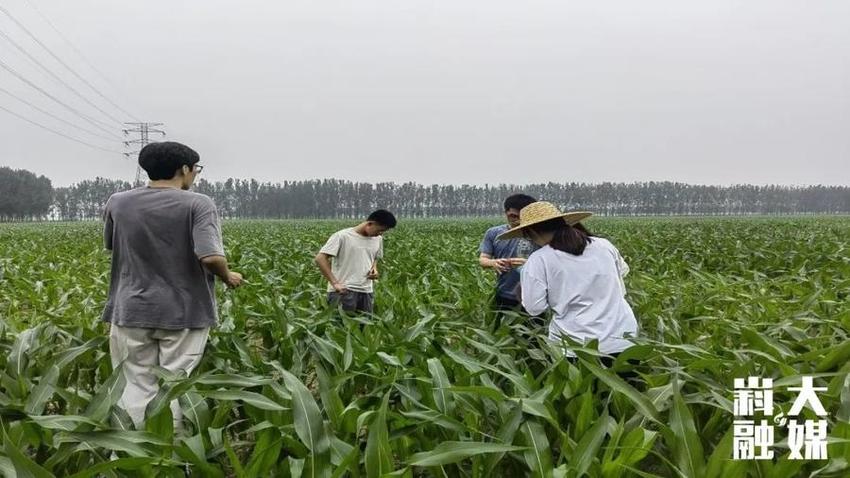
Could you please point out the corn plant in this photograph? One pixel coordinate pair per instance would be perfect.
(431, 384)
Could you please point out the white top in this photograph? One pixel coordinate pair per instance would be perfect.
(353, 256)
(586, 294)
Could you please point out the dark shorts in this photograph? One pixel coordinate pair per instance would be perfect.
(353, 301)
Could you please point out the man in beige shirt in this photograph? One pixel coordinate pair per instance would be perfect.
(355, 252)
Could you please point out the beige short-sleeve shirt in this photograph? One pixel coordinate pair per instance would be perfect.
(353, 255)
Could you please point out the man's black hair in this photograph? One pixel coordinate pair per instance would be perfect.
(383, 217)
(518, 201)
(162, 160)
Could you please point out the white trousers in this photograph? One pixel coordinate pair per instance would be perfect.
(141, 349)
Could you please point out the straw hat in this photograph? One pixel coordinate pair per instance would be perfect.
(542, 211)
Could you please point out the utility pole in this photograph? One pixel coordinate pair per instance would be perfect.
(144, 130)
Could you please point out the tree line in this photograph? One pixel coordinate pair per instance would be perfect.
(23, 196)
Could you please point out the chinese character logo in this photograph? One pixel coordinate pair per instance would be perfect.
(754, 433)
(751, 440)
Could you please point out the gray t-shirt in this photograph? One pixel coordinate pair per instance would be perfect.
(157, 237)
(508, 282)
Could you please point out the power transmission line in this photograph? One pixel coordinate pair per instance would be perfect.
(57, 132)
(58, 118)
(56, 77)
(92, 121)
(55, 57)
(79, 54)
(144, 130)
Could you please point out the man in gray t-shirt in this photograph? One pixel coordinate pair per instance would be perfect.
(504, 257)
(166, 251)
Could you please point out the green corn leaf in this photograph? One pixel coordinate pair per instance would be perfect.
(538, 454)
(266, 452)
(378, 452)
(454, 451)
(123, 464)
(107, 396)
(687, 445)
(506, 433)
(310, 427)
(255, 399)
(42, 392)
(23, 466)
(589, 445)
(62, 422)
(70, 355)
(329, 395)
(442, 395)
(617, 384)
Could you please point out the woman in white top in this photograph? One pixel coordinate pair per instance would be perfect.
(576, 275)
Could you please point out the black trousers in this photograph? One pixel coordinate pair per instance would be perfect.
(504, 303)
(501, 304)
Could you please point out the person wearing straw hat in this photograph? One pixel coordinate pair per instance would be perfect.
(578, 276)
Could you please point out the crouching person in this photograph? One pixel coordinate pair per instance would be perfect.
(166, 251)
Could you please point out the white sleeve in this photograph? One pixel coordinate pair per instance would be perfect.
(534, 289)
(333, 245)
(622, 268)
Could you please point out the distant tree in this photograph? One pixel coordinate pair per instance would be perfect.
(86, 199)
(23, 195)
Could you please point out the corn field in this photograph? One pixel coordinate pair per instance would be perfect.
(432, 384)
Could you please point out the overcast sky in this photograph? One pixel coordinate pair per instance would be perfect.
(486, 91)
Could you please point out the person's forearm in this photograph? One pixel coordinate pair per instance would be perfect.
(487, 262)
(217, 265)
(325, 268)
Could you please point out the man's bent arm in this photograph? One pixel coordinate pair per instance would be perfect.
(486, 261)
(322, 260)
(218, 266)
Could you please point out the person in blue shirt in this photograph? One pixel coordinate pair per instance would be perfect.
(506, 256)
